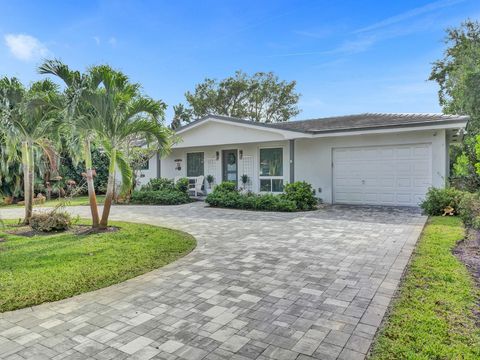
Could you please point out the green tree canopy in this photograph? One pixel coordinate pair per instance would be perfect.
(458, 76)
(261, 97)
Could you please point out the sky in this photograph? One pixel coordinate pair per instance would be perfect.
(347, 57)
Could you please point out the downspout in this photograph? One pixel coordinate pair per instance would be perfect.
(159, 166)
(292, 160)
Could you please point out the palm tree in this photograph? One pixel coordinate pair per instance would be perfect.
(31, 118)
(110, 110)
(81, 120)
(121, 112)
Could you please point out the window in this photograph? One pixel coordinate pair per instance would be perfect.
(195, 164)
(271, 170)
(143, 163)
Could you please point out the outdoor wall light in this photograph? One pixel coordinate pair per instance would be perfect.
(217, 155)
(241, 154)
(178, 164)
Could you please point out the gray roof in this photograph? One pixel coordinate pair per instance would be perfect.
(366, 121)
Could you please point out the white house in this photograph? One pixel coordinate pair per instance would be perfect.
(381, 159)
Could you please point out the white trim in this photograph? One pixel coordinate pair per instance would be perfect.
(389, 130)
(288, 134)
(268, 177)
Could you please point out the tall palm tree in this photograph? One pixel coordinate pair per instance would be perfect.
(111, 110)
(31, 118)
(81, 120)
(121, 111)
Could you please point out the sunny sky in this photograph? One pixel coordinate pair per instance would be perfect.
(346, 56)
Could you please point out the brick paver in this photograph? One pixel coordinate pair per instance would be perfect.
(259, 285)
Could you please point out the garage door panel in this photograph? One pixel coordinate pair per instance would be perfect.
(385, 175)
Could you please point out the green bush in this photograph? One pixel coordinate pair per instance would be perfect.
(226, 186)
(225, 195)
(158, 185)
(182, 185)
(51, 221)
(469, 209)
(438, 199)
(160, 197)
(302, 194)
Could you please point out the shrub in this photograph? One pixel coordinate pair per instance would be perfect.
(438, 199)
(226, 186)
(225, 195)
(469, 209)
(158, 185)
(302, 194)
(51, 221)
(160, 197)
(182, 185)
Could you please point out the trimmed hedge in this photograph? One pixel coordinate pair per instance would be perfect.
(159, 197)
(162, 192)
(299, 198)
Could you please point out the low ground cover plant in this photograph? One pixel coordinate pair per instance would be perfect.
(162, 191)
(297, 197)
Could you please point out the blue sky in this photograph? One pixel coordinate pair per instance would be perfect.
(346, 56)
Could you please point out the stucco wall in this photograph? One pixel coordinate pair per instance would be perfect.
(313, 157)
(248, 164)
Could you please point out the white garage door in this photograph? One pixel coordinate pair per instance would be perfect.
(382, 175)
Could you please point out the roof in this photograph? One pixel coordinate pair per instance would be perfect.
(364, 121)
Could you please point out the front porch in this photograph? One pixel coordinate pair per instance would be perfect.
(256, 167)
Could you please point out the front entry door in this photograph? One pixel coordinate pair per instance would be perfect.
(230, 165)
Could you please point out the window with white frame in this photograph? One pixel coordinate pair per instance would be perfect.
(271, 169)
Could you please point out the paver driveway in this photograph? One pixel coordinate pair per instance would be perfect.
(258, 286)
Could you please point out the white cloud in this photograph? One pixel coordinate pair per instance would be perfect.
(25, 47)
(112, 41)
(97, 39)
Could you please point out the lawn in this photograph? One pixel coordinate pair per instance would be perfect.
(79, 200)
(45, 268)
(432, 318)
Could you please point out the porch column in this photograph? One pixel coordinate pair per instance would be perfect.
(292, 161)
(159, 166)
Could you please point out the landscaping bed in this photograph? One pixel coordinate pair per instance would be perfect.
(297, 196)
(36, 269)
(433, 316)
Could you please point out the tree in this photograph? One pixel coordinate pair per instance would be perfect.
(181, 116)
(81, 119)
(261, 97)
(32, 120)
(121, 112)
(458, 75)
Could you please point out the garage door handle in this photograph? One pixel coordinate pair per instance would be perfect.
(363, 182)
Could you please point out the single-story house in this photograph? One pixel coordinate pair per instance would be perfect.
(379, 159)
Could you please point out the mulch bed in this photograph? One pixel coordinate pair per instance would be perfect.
(27, 231)
(468, 252)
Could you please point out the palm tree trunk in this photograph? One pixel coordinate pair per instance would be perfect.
(92, 197)
(27, 163)
(110, 185)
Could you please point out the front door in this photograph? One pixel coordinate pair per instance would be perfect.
(230, 165)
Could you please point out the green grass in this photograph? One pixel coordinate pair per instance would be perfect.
(53, 267)
(432, 317)
(79, 200)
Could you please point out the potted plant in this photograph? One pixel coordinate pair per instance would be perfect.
(210, 180)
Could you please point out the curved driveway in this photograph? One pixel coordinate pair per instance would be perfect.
(258, 286)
